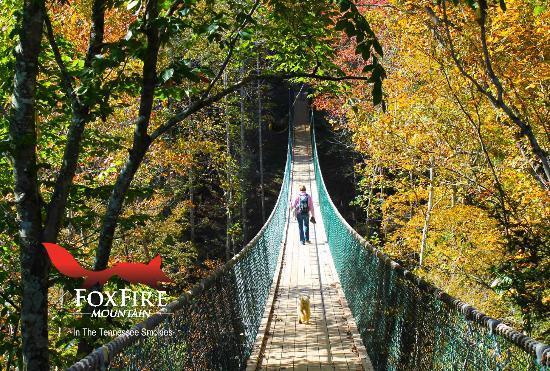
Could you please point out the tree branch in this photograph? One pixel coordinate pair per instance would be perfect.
(97, 31)
(525, 128)
(477, 128)
(66, 78)
(10, 302)
(234, 37)
(203, 102)
(485, 50)
(80, 116)
(454, 55)
(141, 141)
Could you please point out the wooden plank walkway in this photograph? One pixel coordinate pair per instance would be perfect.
(330, 341)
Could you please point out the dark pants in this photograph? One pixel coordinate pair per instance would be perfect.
(303, 226)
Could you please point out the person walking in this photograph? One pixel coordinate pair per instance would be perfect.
(303, 207)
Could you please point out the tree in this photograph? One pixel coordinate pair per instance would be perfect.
(496, 92)
(144, 64)
(22, 131)
(453, 70)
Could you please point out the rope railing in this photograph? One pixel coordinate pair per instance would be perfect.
(404, 322)
(214, 325)
(407, 323)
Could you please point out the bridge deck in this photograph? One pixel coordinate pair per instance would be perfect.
(330, 341)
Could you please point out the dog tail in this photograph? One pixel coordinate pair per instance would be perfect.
(64, 261)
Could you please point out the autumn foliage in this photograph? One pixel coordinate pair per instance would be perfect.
(451, 185)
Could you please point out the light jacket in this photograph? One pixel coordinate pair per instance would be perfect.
(296, 203)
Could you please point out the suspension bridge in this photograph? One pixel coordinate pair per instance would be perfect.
(368, 312)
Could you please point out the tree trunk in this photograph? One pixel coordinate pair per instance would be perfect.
(532, 168)
(229, 191)
(354, 180)
(116, 201)
(383, 228)
(192, 199)
(412, 205)
(243, 163)
(527, 131)
(80, 116)
(369, 200)
(140, 143)
(428, 212)
(22, 130)
(260, 141)
(453, 195)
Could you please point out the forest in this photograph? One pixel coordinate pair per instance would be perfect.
(130, 129)
(452, 177)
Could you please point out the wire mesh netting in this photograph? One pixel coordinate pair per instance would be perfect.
(407, 324)
(215, 325)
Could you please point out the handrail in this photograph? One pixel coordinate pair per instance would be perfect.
(103, 355)
(533, 347)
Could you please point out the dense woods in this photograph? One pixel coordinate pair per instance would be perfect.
(452, 177)
(135, 128)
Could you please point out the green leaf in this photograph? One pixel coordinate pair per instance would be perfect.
(538, 10)
(245, 34)
(212, 28)
(377, 93)
(473, 4)
(378, 47)
(167, 74)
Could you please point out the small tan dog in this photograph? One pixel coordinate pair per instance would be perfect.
(304, 310)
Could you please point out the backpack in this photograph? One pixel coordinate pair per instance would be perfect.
(303, 206)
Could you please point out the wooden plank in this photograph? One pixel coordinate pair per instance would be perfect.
(330, 341)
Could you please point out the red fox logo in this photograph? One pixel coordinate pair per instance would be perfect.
(148, 274)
